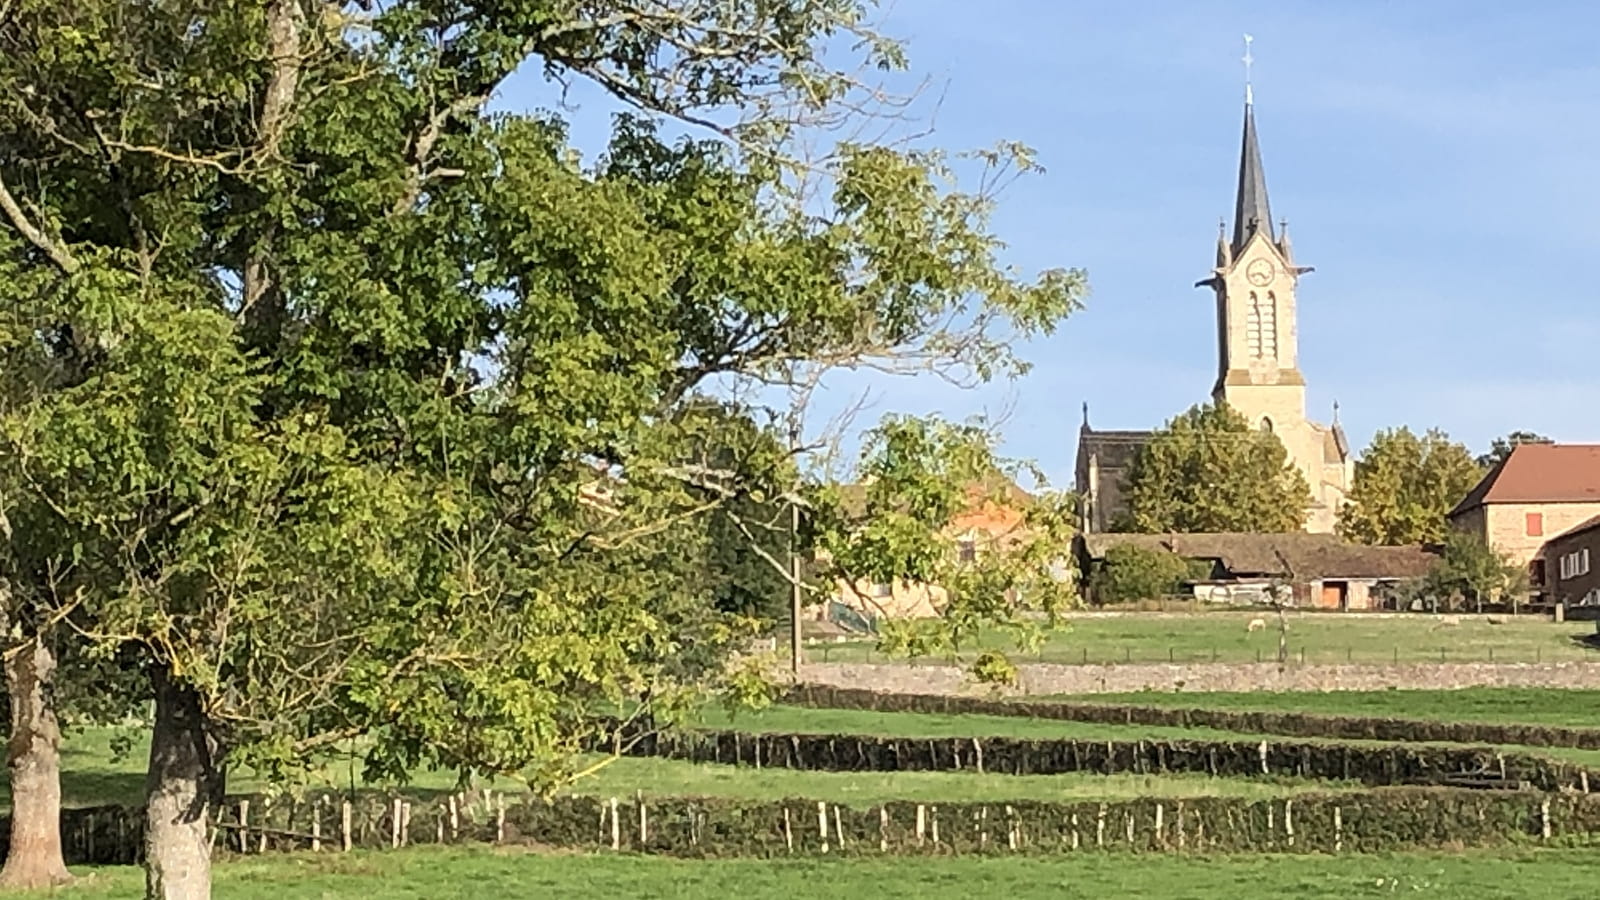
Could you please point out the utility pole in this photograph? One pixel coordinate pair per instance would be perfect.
(796, 652)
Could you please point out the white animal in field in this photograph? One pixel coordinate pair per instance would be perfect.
(1449, 621)
(1256, 625)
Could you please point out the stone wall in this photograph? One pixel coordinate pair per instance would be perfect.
(1041, 678)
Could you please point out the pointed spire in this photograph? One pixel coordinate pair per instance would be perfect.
(1085, 415)
(1251, 212)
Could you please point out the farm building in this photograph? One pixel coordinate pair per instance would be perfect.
(1537, 495)
(1315, 570)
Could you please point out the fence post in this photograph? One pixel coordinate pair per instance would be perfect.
(922, 824)
(244, 826)
(644, 828)
(500, 818)
(316, 825)
(883, 829)
(616, 827)
(344, 825)
(822, 823)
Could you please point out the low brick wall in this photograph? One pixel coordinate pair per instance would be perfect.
(1042, 678)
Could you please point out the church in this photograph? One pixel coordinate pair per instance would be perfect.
(1258, 373)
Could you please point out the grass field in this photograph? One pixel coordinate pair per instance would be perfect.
(1313, 637)
(1525, 706)
(462, 873)
(92, 775)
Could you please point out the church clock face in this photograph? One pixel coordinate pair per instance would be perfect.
(1259, 273)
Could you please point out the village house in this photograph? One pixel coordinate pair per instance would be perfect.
(992, 520)
(1319, 571)
(1530, 502)
(1573, 577)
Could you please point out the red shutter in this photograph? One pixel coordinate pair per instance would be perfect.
(1535, 524)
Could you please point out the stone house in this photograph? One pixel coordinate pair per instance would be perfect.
(1254, 281)
(1538, 493)
(1319, 571)
(992, 521)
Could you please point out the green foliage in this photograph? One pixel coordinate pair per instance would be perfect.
(994, 669)
(1470, 569)
(917, 478)
(1209, 471)
(1130, 573)
(1502, 447)
(1405, 486)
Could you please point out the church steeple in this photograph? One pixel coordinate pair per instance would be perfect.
(1251, 211)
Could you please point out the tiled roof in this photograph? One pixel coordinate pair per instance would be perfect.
(1297, 555)
(1540, 473)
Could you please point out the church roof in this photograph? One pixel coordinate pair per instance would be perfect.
(1115, 449)
(1251, 211)
(1297, 555)
(1540, 473)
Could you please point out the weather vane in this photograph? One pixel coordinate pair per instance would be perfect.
(1249, 96)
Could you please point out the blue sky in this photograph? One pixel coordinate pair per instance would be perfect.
(1436, 162)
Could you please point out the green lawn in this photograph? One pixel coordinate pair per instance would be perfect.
(624, 777)
(93, 776)
(1525, 706)
(448, 874)
(790, 719)
(1319, 637)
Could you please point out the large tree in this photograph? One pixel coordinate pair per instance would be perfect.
(1207, 470)
(1501, 447)
(345, 408)
(1404, 487)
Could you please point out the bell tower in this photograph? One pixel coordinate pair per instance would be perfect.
(1254, 280)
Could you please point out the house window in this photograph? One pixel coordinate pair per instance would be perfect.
(968, 550)
(1535, 524)
(1575, 563)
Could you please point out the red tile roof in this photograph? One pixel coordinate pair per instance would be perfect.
(1540, 473)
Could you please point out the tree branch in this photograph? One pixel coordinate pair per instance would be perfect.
(58, 253)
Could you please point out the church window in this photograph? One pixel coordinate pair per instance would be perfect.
(1269, 327)
(1266, 425)
(1261, 326)
(1252, 326)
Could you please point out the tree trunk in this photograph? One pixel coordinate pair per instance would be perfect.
(33, 757)
(179, 790)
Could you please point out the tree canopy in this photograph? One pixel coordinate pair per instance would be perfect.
(1502, 447)
(341, 407)
(1404, 487)
(1131, 573)
(1472, 570)
(1207, 470)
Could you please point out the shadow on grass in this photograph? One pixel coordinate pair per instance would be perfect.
(1589, 642)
